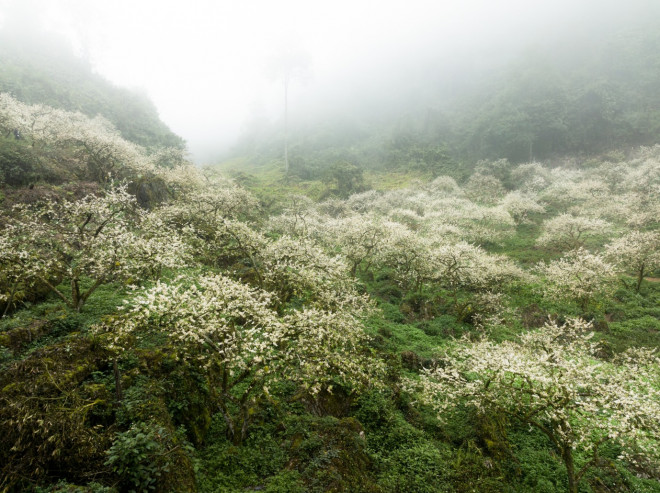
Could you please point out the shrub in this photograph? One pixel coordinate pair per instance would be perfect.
(139, 456)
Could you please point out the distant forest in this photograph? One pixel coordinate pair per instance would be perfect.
(581, 95)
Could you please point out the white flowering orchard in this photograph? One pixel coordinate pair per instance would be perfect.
(578, 276)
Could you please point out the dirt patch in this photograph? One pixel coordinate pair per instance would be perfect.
(652, 279)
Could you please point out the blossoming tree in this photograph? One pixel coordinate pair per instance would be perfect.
(232, 332)
(578, 276)
(568, 232)
(100, 239)
(70, 143)
(549, 380)
(212, 219)
(637, 251)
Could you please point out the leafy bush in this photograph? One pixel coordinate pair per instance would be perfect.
(139, 456)
(17, 163)
(416, 469)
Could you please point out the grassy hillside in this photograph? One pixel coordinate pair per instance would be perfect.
(405, 311)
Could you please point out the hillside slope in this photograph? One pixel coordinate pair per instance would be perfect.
(41, 68)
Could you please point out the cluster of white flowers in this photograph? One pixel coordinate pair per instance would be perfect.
(13, 115)
(568, 232)
(299, 219)
(578, 276)
(360, 238)
(214, 220)
(235, 333)
(531, 177)
(399, 228)
(105, 238)
(220, 321)
(208, 315)
(285, 307)
(637, 252)
(549, 379)
(98, 150)
(484, 188)
(520, 205)
(294, 267)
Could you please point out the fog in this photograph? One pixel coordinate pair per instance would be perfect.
(208, 65)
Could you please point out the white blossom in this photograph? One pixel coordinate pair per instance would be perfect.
(550, 380)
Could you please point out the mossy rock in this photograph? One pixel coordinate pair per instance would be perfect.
(47, 429)
(330, 455)
(196, 418)
(145, 402)
(410, 360)
(181, 476)
(491, 431)
(21, 336)
(533, 316)
(185, 391)
(149, 191)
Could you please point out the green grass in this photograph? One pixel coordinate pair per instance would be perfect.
(268, 182)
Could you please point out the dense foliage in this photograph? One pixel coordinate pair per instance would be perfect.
(165, 328)
(550, 380)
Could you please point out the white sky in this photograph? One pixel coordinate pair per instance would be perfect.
(204, 63)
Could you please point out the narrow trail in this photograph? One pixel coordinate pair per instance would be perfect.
(652, 279)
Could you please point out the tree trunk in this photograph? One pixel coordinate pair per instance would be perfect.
(286, 125)
(118, 391)
(567, 456)
(239, 437)
(237, 426)
(231, 429)
(10, 300)
(76, 300)
(640, 277)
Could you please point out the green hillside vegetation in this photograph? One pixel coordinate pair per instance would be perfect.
(166, 328)
(38, 68)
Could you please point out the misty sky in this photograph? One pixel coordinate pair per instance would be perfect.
(206, 64)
